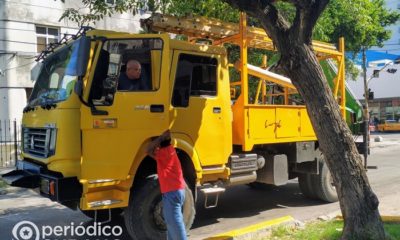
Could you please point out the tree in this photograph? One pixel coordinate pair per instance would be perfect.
(358, 203)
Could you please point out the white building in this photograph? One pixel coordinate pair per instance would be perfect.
(386, 102)
(26, 26)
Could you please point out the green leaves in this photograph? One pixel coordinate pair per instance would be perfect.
(208, 8)
(361, 22)
(95, 10)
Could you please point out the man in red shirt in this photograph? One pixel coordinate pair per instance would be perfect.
(172, 184)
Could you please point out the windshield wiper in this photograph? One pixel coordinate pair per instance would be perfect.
(28, 109)
(48, 106)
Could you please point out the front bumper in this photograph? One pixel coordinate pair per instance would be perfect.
(51, 184)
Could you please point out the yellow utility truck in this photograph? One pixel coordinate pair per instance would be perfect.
(84, 139)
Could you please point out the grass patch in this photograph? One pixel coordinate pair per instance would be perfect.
(329, 230)
(393, 230)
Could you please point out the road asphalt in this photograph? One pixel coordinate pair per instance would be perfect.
(14, 200)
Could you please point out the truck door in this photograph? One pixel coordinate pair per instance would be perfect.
(201, 105)
(121, 119)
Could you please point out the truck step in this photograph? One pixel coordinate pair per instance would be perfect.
(214, 192)
(106, 202)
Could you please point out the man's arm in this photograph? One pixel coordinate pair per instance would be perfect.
(153, 145)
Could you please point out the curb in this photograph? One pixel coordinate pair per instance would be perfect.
(253, 230)
(391, 219)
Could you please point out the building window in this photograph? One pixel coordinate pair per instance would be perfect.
(45, 36)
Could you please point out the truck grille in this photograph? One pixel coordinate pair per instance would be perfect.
(39, 142)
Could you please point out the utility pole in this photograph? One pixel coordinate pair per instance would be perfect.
(366, 135)
(366, 111)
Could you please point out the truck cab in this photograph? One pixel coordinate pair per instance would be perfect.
(84, 139)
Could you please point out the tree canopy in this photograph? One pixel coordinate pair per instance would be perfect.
(361, 22)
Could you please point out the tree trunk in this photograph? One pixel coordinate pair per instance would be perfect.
(359, 205)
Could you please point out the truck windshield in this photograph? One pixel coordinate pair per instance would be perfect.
(56, 77)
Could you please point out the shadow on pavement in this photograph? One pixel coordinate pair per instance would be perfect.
(56, 222)
(232, 204)
(236, 202)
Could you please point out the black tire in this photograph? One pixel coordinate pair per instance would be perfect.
(103, 214)
(306, 185)
(143, 217)
(261, 186)
(322, 184)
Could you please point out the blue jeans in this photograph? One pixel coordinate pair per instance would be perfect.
(172, 210)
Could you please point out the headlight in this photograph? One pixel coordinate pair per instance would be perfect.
(52, 142)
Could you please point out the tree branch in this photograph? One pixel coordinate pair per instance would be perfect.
(274, 23)
(307, 14)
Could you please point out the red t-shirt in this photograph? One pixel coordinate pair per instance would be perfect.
(169, 169)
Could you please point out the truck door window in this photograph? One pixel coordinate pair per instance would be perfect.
(110, 73)
(195, 76)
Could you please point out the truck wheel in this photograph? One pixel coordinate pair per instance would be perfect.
(322, 184)
(102, 215)
(305, 184)
(143, 217)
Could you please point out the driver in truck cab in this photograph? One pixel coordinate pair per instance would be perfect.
(132, 79)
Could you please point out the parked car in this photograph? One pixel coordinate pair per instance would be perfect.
(389, 125)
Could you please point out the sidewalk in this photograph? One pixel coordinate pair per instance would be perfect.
(389, 205)
(388, 140)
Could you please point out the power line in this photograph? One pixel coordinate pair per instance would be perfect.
(5, 40)
(17, 29)
(387, 50)
(391, 44)
(22, 65)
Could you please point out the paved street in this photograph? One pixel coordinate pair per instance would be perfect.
(239, 206)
